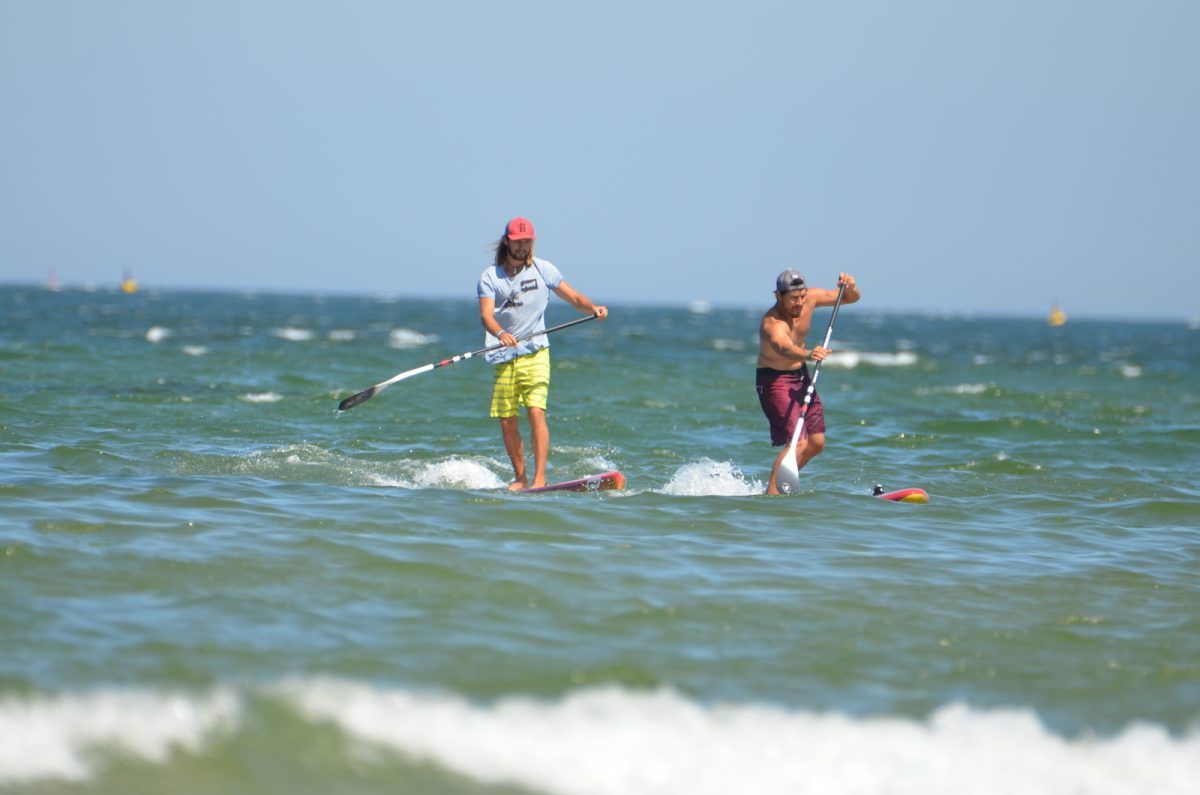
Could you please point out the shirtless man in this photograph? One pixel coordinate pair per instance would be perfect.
(782, 377)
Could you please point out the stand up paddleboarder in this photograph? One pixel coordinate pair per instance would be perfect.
(782, 377)
(513, 294)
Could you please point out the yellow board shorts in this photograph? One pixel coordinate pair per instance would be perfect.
(523, 381)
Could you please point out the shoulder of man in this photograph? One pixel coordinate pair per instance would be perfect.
(550, 273)
(772, 323)
(487, 280)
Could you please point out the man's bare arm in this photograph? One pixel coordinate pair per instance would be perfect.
(777, 337)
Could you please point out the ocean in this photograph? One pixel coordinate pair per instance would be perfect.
(210, 582)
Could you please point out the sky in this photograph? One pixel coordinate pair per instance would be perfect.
(983, 157)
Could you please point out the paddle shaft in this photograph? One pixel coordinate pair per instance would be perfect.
(812, 382)
(367, 394)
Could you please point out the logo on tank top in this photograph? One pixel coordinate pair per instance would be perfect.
(514, 298)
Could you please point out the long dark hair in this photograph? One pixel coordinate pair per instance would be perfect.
(502, 252)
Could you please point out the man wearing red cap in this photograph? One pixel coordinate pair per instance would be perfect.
(513, 294)
(782, 377)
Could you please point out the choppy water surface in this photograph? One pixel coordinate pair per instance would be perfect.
(209, 582)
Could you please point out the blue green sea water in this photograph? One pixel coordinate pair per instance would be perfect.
(209, 582)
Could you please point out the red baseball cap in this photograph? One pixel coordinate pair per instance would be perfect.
(519, 229)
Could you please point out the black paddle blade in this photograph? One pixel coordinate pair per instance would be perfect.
(354, 400)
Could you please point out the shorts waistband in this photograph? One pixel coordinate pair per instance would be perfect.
(771, 371)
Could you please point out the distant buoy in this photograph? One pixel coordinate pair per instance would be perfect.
(129, 285)
(1057, 317)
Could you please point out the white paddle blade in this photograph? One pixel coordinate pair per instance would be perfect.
(787, 479)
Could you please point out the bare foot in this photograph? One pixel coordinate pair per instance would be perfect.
(520, 484)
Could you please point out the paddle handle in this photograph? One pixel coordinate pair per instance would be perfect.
(812, 382)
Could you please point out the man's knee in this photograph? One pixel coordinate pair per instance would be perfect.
(810, 446)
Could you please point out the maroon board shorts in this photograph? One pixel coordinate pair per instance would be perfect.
(781, 393)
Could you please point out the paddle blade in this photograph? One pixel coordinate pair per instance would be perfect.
(354, 400)
(367, 394)
(787, 479)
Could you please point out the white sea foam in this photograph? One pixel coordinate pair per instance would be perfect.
(407, 338)
(597, 463)
(57, 736)
(389, 482)
(399, 474)
(262, 397)
(956, 389)
(294, 334)
(727, 344)
(610, 741)
(1131, 371)
(700, 307)
(157, 334)
(852, 359)
(458, 473)
(280, 460)
(341, 335)
(195, 350)
(711, 478)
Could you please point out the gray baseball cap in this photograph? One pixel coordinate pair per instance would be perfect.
(789, 280)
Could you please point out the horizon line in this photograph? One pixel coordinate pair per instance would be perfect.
(690, 304)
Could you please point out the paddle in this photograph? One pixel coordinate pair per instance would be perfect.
(367, 394)
(788, 476)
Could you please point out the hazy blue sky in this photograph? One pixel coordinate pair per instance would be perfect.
(983, 156)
